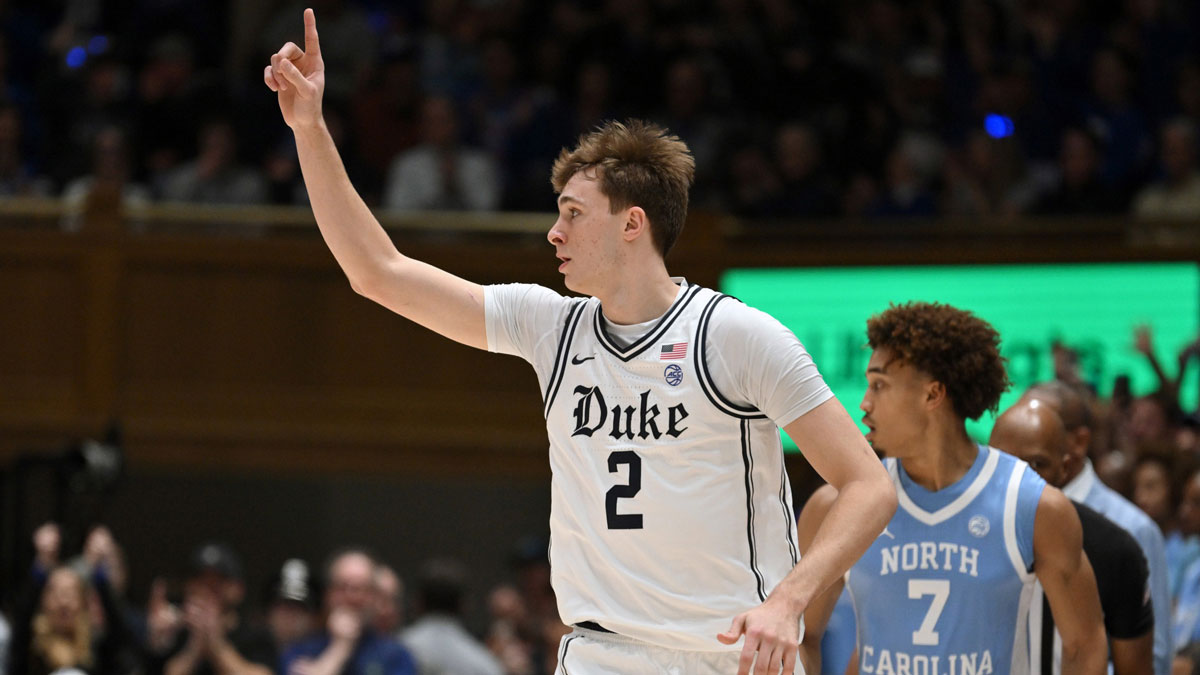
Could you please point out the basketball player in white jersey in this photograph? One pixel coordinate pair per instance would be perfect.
(672, 542)
(946, 587)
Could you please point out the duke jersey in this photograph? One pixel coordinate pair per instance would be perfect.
(670, 507)
(945, 589)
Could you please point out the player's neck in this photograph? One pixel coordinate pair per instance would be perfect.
(946, 457)
(639, 293)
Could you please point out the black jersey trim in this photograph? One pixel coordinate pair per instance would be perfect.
(706, 382)
(560, 360)
(789, 516)
(656, 332)
(562, 657)
(748, 462)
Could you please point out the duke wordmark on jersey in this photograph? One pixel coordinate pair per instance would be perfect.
(592, 413)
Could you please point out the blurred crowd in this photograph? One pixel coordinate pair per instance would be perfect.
(864, 108)
(353, 614)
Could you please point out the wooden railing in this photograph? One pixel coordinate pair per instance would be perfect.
(229, 338)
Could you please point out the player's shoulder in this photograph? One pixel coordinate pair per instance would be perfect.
(731, 316)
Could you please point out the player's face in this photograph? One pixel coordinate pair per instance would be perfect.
(586, 236)
(893, 407)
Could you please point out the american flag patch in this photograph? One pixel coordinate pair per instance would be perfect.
(675, 351)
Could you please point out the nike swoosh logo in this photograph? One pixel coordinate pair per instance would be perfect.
(575, 360)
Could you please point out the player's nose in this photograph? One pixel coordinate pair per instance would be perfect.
(555, 235)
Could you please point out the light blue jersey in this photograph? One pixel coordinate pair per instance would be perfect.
(945, 589)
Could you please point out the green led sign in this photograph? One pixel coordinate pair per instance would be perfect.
(1090, 307)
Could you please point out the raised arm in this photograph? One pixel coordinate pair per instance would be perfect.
(420, 292)
(864, 504)
(1069, 583)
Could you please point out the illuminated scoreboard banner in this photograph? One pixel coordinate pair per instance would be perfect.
(1092, 308)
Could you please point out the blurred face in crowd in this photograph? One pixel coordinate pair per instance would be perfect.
(1189, 506)
(290, 622)
(1152, 491)
(1147, 419)
(212, 585)
(894, 405)
(1078, 158)
(63, 600)
(351, 584)
(1178, 151)
(388, 600)
(1033, 432)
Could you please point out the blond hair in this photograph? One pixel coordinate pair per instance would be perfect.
(637, 164)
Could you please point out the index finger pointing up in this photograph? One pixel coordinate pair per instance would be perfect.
(311, 44)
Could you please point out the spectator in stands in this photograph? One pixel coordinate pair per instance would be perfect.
(1034, 432)
(293, 604)
(349, 644)
(1112, 114)
(215, 176)
(1187, 606)
(68, 618)
(1176, 195)
(169, 103)
(906, 193)
(437, 639)
(389, 601)
(442, 173)
(386, 113)
(18, 175)
(689, 112)
(109, 187)
(1080, 190)
(807, 189)
(214, 636)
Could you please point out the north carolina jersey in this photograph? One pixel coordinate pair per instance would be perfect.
(945, 589)
(670, 509)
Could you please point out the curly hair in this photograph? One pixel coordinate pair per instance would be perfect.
(953, 346)
(637, 164)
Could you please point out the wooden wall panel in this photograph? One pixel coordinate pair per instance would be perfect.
(254, 353)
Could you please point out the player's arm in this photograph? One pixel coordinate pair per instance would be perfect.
(1134, 656)
(425, 294)
(816, 615)
(1069, 583)
(864, 504)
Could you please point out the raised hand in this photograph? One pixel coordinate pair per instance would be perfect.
(162, 618)
(1143, 340)
(298, 76)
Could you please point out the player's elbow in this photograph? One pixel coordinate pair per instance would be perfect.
(884, 492)
(1086, 650)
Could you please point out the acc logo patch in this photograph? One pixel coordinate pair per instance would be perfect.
(979, 526)
(673, 374)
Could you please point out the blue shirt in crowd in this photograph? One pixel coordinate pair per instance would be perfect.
(373, 655)
(1087, 489)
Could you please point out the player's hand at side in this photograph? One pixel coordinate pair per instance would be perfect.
(772, 634)
(298, 75)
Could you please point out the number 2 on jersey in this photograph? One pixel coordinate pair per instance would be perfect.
(940, 590)
(624, 521)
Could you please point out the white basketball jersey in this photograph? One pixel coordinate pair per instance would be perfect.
(671, 510)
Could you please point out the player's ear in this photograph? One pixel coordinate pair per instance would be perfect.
(935, 394)
(636, 223)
